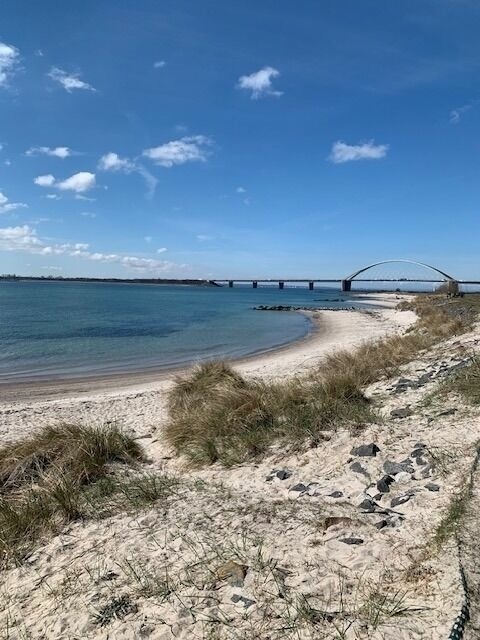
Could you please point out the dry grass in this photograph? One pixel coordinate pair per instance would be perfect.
(466, 382)
(217, 415)
(65, 473)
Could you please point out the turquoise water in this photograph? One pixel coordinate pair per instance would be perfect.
(55, 329)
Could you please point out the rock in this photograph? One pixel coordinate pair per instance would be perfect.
(404, 412)
(403, 476)
(383, 485)
(400, 500)
(365, 450)
(378, 496)
(357, 468)
(424, 379)
(417, 453)
(300, 488)
(351, 540)
(421, 462)
(392, 468)
(233, 572)
(369, 505)
(420, 445)
(335, 494)
(381, 524)
(431, 486)
(281, 474)
(237, 598)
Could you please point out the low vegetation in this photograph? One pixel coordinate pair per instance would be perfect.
(64, 473)
(466, 382)
(217, 415)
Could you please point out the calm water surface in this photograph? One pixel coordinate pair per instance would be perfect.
(55, 329)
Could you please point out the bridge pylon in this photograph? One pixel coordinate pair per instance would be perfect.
(346, 285)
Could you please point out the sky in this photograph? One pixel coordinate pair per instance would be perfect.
(177, 138)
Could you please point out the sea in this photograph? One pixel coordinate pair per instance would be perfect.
(57, 329)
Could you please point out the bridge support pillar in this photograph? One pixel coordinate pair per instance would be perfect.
(281, 284)
(230, 283)
(346, 285)
(254, 284)
(310, 286)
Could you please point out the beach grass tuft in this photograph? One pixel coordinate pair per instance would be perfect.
(65, 473)
(216, 415)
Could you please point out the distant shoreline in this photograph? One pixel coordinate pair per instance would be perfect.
(158, 281)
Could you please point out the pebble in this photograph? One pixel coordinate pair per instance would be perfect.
(403, 476)
(300, 488)
(243, 600)
(383, 485)
(365, 450)
(351, 540)
(392, 468)
(400, 500)
(357, 468)
(368, 504)
(431, 486)
(335, 494)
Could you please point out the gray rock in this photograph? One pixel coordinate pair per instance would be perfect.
(403, 412)
(351, 540)
(368, 504)
(392, 468)
(383, 485)
(417, 453)
(400, 500)
(424, 379)
(381, 524)
(366, 450)
(421, 462)
(431, 486)
(357, 468)
(420, 445)
(447, 412)
(335, 494)
(242, 599)
(300, 487)
(283, 474)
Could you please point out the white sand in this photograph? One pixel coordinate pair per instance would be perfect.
(219, 514)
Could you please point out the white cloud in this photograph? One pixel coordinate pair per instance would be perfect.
(148, 239)
(69, 81)
(159, 64)
(456, 114)
(260, 83)
(175, 152)
(241, 190)
(78, 196)
(9, 57)
(79, 182)
(113, 162)
(6, 206)
(53, 196)
(88, 214)
(342, 152)
(57, 152)
(24, 238)
(162, 250)
(52, 268)
(45, 181)
(201, 237)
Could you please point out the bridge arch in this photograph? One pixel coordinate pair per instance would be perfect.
(347, 282)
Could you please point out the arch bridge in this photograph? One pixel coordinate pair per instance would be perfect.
(347, 282)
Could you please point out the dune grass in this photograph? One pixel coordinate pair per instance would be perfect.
(66, 472)
(217, 415)
(465, 382)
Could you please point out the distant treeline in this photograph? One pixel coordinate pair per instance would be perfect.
(194, 282)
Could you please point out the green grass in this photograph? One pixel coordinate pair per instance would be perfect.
(218, 415)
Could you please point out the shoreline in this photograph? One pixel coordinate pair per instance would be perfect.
(329, 330)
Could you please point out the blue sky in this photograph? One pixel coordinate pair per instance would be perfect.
(176, 138)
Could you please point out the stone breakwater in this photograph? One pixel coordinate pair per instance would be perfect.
(281, 307)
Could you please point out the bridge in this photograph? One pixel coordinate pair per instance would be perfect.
(439, 276)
